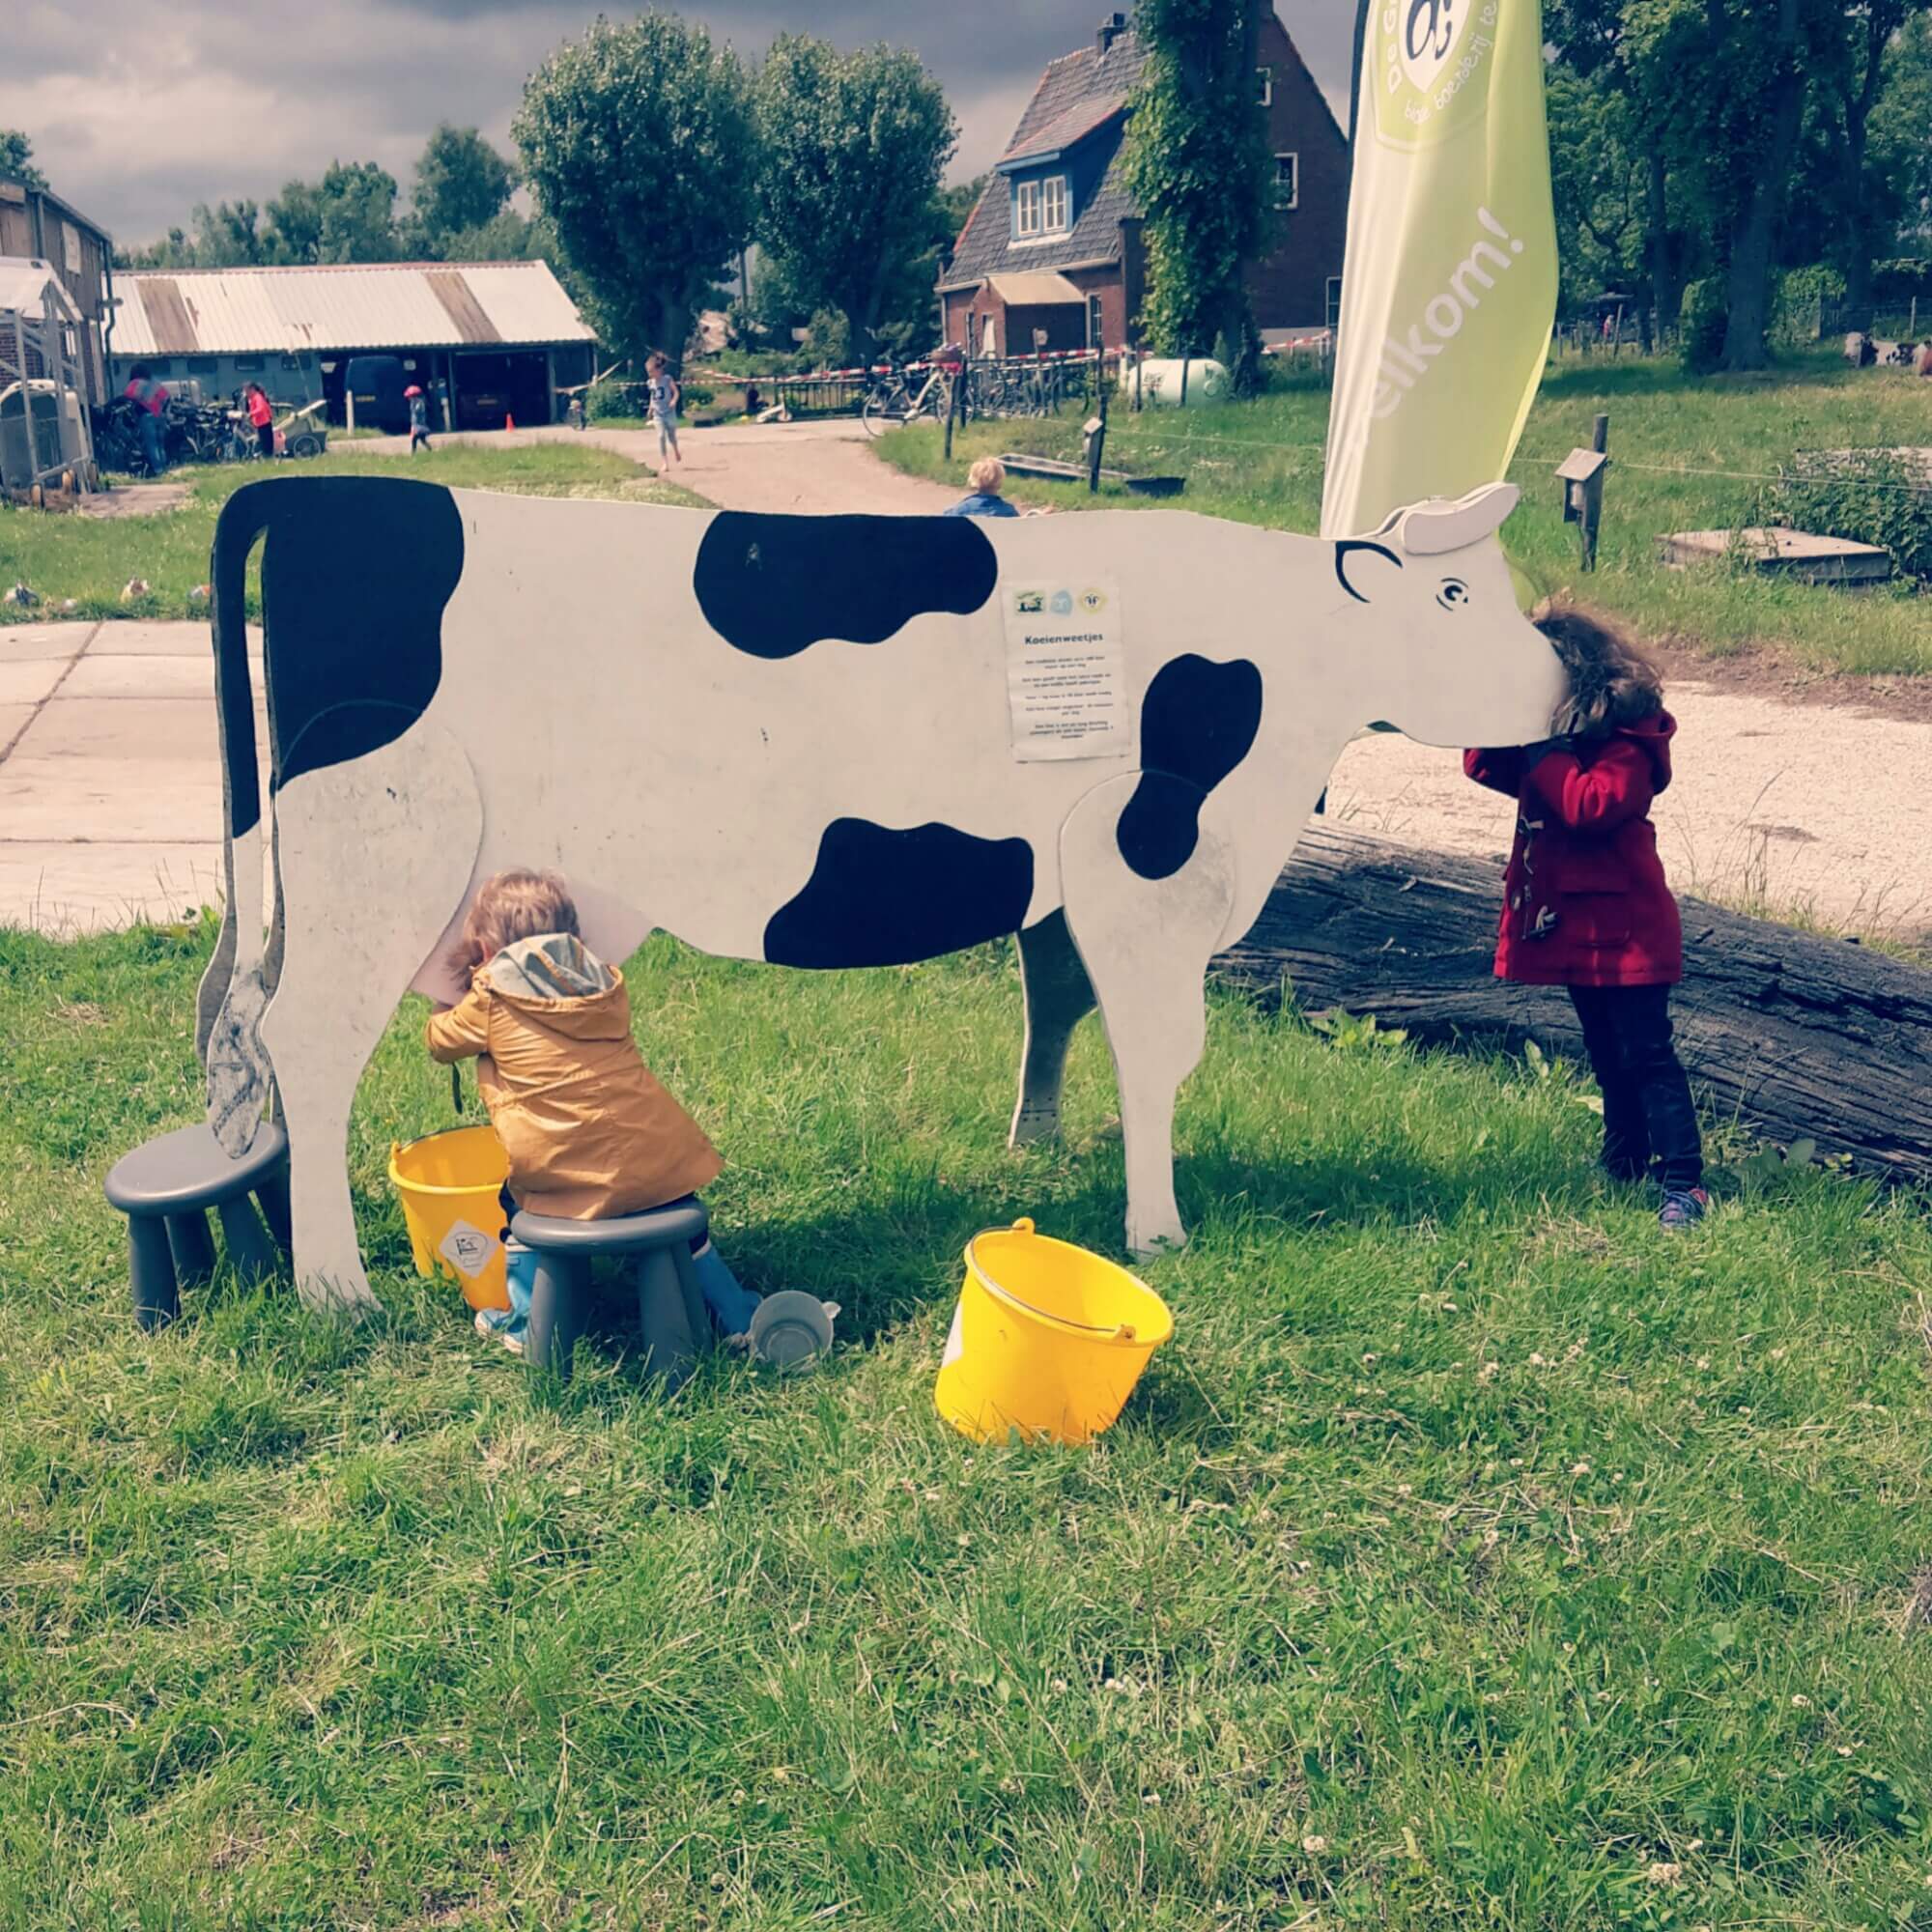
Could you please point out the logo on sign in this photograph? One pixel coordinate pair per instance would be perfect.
(1029, 603)
(1432, 60)
(468, 1249)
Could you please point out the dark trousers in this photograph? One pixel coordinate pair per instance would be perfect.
(265, 438)
(1647, 1111)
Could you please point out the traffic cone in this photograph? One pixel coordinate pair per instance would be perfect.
(509, 421)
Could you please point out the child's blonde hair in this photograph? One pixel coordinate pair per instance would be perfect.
(510, 907)
(986, 477)
(1611, 682)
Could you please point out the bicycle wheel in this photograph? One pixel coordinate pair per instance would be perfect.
(882, 411)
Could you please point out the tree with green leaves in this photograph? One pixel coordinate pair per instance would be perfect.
(17, 159)
(347, 215)
(1197, 162)
(462, 183)
(852, 147)
(637, 143)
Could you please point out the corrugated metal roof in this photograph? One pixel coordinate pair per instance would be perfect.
(397, 305)
(25, 281)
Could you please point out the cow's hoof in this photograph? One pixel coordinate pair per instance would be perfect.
(1167, 1238)
(345, 1295)
(1034, 1125)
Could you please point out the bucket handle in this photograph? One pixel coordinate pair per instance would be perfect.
(1122, 1332)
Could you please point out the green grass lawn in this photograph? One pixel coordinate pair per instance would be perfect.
(1475, 1556)
(91, 560)
(1262, 463)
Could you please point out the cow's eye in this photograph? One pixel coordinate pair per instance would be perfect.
(1454, 593)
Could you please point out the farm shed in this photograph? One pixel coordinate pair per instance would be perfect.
(487, 339)
(40, 226)
(43, 424)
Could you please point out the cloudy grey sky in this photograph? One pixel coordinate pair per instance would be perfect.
(137, 111)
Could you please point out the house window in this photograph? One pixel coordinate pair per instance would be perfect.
(161, 366)
(1286, 181)
(1040, 207)
(1095, 324)
(1264, 87)
(989, 339)
(1334, 300)
(203, 365)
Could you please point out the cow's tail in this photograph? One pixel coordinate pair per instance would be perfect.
(234, 989)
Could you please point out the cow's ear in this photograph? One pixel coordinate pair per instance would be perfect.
(1431, 530)
(1346, 549)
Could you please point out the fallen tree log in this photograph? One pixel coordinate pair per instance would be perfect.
(1799, 1037)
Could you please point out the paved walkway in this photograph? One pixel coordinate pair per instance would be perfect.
(110, 786)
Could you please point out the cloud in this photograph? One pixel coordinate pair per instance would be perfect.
(148, 112)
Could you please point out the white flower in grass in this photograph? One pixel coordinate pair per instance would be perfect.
(1539, 1361)
(1314, 1844)
(1661, 1871)
(1579, 1469)
(1800, 1702)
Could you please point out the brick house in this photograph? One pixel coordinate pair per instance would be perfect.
(1054, 246)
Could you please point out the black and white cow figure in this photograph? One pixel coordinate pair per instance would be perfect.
(788, 739)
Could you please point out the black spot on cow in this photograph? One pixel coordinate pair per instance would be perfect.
(776, 585)
(355, 574)
(881, 898)
(1198, 721)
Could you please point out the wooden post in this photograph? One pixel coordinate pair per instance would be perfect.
(951, 400)
(1095, 429)
(1593, 502)
(1183, 382)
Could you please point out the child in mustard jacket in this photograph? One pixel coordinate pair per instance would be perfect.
(589, 1131)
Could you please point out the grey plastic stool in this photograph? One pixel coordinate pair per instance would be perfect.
(671, 1307)
(166, 1187)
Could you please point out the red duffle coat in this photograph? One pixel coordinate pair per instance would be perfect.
(1584, 901)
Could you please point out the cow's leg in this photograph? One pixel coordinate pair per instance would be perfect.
(375, 854)
(1146, 943)
(1058, 996)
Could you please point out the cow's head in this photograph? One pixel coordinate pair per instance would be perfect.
(1455, 661)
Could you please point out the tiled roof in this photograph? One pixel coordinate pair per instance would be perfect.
(1081, 91)
(1069, 130)
(393, 306)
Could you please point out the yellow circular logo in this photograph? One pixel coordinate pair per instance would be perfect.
(1431, 67)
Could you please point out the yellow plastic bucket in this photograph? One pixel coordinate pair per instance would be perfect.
(449, 1185)
(1048, 1339)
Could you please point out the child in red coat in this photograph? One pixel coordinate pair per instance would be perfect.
(1585, 902)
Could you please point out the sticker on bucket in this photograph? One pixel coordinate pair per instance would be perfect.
(956, 1342)
(468, 1249)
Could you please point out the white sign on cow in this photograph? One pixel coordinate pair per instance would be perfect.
(792, 739)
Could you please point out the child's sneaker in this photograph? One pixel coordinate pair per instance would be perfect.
(1683, 1208)
(493, 1325)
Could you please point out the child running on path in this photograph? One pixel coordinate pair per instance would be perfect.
(589, 1131)
(1585, 901)
(665, 394)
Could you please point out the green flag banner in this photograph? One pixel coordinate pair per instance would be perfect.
(1449, 285)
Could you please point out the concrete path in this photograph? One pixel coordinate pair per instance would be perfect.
(818, 465)
(110, 786)
(110, 777)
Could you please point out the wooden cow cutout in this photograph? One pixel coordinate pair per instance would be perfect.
(792, 739)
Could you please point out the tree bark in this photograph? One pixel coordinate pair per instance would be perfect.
(1755, 226)
(1800, 1036)
(1662, 296)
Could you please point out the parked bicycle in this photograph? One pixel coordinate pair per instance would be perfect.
(891, 401)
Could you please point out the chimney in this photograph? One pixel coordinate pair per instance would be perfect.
(1111, 30)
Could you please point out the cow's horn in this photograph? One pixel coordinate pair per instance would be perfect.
(1432, 528)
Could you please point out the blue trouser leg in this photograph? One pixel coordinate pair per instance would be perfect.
(731, 1306)
(520, 1274)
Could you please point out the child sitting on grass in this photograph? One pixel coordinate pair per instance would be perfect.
(1585, 901)
(589, 1131)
